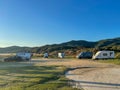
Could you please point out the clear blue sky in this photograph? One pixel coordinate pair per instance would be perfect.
(40, 22)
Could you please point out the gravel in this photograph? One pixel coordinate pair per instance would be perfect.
(96, 78)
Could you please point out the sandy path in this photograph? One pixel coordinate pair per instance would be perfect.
(89, 75)
(96, 79)
(104, 77)
(70, 63)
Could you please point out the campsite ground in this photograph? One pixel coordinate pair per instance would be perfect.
(40, 74)
(29, 76)
(90, 75)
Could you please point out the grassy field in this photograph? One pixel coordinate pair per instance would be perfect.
(113, 61)
(26, 76)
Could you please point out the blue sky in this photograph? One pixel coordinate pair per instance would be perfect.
(40, 22)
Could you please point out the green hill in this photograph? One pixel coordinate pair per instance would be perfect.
(69, 47)
(14, 49)
(106, 44)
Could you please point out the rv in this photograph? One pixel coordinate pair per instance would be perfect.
(104, 55)
(61, 55)
(84, 55)
(24, 55)
(45, 55)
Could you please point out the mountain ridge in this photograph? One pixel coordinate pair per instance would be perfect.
(113, 44)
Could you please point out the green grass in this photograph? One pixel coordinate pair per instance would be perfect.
(20, 76)
(113, 61)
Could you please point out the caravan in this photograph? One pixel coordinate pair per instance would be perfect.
(24, 55)
(46, 55)
(104, 55)
(61, 55)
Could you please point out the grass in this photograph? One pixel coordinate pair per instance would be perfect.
(21, 76)
(113, 61)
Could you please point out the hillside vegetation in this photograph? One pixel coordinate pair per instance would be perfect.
(14, 49)
(70, 48)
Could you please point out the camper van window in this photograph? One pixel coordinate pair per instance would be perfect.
(104, 54)
(111, 53)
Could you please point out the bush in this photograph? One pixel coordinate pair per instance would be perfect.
(117, 56)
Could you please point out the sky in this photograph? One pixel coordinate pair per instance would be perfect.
(40, 22)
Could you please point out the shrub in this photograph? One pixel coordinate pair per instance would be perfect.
(117, 56)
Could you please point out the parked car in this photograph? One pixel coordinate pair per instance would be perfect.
(13, 59)
(21, 56)
(87, 55)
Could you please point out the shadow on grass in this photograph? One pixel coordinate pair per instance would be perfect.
(30, 77)
(44, 73)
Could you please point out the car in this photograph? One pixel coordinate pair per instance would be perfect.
(87, 55)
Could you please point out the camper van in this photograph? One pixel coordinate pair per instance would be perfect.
(45, 55)
(61, 55)
(24, 55)
(84, 55)
(104, 55)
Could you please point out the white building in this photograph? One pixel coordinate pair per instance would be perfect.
(104, 55)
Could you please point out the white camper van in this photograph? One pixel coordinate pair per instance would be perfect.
(61, 55)
(24, 55)
(104, 55)
(45, 55)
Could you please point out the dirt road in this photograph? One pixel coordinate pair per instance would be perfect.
(89, 75)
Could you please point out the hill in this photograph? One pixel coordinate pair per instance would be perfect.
(14, 49)
(72, 47)
(81, 45)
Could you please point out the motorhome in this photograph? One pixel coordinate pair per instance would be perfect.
(84, 55)
(45, 55)
(61, 55)
(24, 55)
(104, 55)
